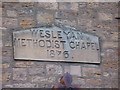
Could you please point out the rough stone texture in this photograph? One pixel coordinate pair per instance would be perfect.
(21, 64)
(9, 22)
(27, 22)
(5, 65)
(94, 18)
(105, 16)
(39, 79)
(48, 5)
(69, 6)
(11, 13)
(19, 74)
(44, 18)
(6, 77)
(93, 83)
(54, 69)
(110, 44)
(91, 72)
(25, 85)
(71, 23)
(75, 70)
(37, 71)
(79, 82)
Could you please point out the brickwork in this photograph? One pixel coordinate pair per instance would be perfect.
(94, 18)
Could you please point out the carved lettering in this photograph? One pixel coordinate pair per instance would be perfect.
(55, 44)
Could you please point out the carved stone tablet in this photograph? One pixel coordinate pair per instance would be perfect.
(55, 44)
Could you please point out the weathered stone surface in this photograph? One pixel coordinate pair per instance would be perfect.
(8, 5)
(27, 22)
(7, 59)
(20, 64)
(45, 19)
(0, 12)
(0, 66)
(24, 64)
(51, 79)
(113, 83)
(5, 1)
(110, 45)
(7, 53)
(19, 74)
(45, 85)
(105, 16)
(110, 54)
(65, 15)
(93, 83)
(10, 22)
(91, 72)
(27, 4)
(54, 69)
(66, 22)
(93, 5)
(48, 5)
(39, 79)
(97, 18)
(8, 44)
(82, 4)
(11, 13)
(106, 7)
(69, 6)
(109, 74)
(35, 71)
(75, 70)
(26, 12)
(66, 69)
(40, 64)
(110, 65)
(5, 65)
(25, 85)
(114, 36)
(6, 77)
(85, 22)
(35, 44)
(8, 86)
(79, 82)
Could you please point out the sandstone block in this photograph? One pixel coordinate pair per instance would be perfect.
(45, 19)
(20, 64)
(10, 22)
(26, 12)
(54, 69)
(39, 79)
(105, 16)
(110, 44)
(19, 74)
(5, 65)
(48, 5)
(71, 23)
(6, 77)
(11, 13)
(69, 6)
(91, 72)
(93, 83)
(27, 22)
(75, 70)
(35, 71)
(25, 85)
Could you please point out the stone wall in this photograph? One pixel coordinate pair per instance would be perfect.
(94, 18)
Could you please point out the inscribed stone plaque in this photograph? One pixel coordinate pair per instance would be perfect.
(55, 44)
